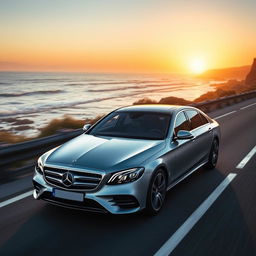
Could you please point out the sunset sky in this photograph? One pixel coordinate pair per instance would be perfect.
(126, 35)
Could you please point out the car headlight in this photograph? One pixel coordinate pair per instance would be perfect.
(125, 176)
(39, 166)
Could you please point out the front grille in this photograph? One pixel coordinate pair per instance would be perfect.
(81, 180)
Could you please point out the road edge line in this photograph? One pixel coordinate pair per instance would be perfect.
(250, 105)
(229, 113)
(16, 198)
(246, 159)
(167, 248)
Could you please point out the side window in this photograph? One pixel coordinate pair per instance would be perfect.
(204, 119)
(181, 123)
(195, 118)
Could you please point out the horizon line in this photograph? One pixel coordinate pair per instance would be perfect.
(116, 72)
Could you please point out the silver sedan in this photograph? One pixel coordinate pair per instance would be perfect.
(128, 160)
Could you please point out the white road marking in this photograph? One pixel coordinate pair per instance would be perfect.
(248, 106)
(246, 159)
(184, 229)
(16, 198)
(229, 113)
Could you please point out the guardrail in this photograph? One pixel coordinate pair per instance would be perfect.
(30, 149)
(208, 106)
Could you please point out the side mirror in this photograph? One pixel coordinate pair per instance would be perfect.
(184, 135)
(86, 127)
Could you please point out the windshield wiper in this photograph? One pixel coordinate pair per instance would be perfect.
(106, 134)
(127, 136)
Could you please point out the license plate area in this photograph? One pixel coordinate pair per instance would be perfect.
(69, 195)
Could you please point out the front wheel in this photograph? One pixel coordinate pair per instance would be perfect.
(156, 192)
(213, 157)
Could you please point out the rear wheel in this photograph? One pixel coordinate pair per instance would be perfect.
(213, 157)
(156, 192)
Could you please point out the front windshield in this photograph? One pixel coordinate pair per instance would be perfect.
(138, 125)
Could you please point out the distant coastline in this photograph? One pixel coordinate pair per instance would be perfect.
(247, 82)
(231, 73)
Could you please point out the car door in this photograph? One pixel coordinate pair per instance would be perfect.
(201, 130)
(180, 157)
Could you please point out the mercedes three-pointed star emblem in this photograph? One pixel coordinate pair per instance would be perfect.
(67, 179)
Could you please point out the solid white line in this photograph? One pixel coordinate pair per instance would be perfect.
(246, 159)
(16, 198)
(229, 113)
(248, 106)
(184, 229)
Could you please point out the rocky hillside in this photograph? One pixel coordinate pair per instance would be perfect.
(228, 88)
(250, 79)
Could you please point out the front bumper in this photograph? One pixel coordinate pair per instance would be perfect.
(115, 199)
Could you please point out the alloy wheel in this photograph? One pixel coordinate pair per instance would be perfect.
(158, 191)
(215, 151)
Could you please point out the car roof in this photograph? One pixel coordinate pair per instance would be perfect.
(157, 108)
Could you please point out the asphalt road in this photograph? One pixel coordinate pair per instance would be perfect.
(226, 227)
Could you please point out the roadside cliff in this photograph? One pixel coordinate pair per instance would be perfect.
(250, 79)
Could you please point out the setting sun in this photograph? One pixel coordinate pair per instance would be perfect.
(197, 66)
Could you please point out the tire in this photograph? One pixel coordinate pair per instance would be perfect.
(213, 156)
(156, 193)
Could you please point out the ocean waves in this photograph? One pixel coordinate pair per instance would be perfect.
(30, 93)
(42, 97)
(171, 86)
(49, 107)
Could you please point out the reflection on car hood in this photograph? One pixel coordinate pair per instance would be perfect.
(104, 153)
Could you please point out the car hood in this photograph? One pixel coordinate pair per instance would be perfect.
(104, 153)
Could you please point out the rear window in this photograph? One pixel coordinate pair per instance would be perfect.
(204, 119)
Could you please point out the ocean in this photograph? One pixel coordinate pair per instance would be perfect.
(40, 97)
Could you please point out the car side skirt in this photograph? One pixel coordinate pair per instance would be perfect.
(185, 176)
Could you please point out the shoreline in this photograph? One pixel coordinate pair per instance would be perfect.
(231, 87)
(30, 106)
(67, 121)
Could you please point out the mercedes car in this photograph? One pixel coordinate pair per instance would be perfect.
(128, 160)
